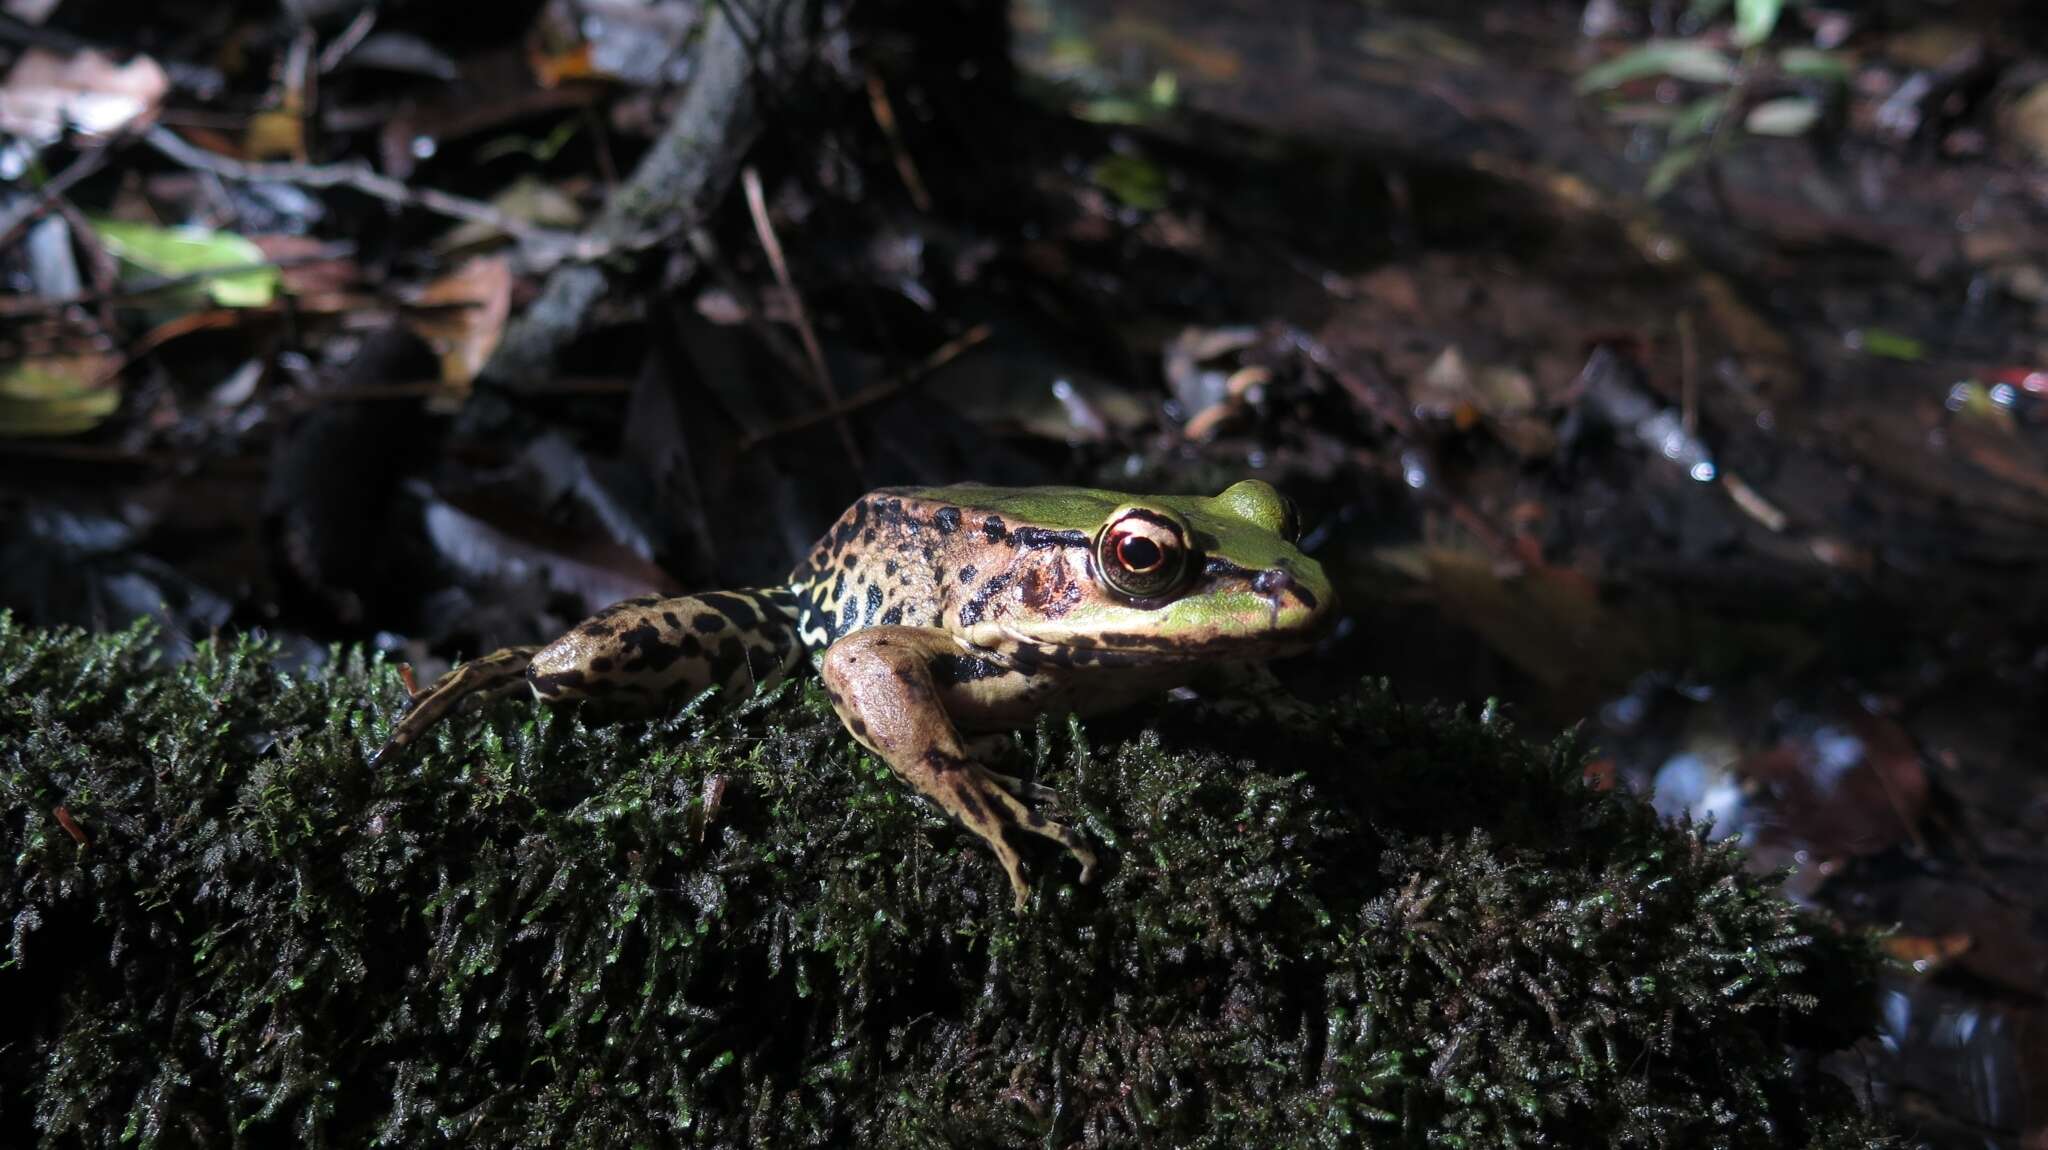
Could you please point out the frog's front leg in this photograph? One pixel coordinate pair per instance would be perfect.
(880, 682)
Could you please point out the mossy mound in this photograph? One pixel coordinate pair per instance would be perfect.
(1404, 927)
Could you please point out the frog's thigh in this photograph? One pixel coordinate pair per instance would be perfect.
(650, 649)
(880, 682)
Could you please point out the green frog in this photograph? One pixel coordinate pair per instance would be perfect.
(936, 611)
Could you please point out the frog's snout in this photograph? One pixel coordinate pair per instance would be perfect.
(1277, 583)
(1299, 601)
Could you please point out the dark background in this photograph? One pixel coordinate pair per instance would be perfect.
(1723, 434)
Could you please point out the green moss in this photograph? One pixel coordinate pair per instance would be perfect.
(1403, 928)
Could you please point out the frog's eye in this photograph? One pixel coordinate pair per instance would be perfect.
(1142, 554)
(1290, 521)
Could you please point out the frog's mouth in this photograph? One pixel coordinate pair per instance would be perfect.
(1114, 649)
(1234, 615)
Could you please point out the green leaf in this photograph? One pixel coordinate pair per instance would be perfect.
(1702, 11)
(1785, 116)
(1814, 64)
(1675, 163)
(1135, 182)
(56, 395)
(1697, 118)
(1754, 20)
(174, 252)
(1888, 344)
(1682, 59)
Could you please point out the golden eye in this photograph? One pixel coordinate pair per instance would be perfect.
(1142, 554)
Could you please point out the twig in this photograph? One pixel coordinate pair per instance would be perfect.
(885, 118)
(427, 388)
(1688, 377)
(1717, 141)
(358, 30)
(85, 165)
(105, 270)
(771, 337)
(757, 204)
(547, 244)
(946, 353)
(674, 186)
(97, 456)
(217, 319)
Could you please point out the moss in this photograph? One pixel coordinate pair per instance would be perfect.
(1398, 926)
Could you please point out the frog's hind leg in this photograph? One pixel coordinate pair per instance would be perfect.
(638, 653)
(644, 651)
(498, 673)
(880, 682)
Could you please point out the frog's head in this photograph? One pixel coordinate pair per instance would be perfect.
(1164, 578)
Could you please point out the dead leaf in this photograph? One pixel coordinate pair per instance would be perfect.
(317, 278)
(275, 136)
(1444, 391)
(1851, 785)
(1927, 953)
(46, 93)
(1547, 620)
(2027, 122)
(493, 532)
(462, 315)
(71, 826)
(30, 11)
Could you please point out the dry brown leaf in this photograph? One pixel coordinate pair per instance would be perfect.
(318, 277)
(46, 93)
(1854, 786)
(462, 315)
(275, 136)
(1927, 953)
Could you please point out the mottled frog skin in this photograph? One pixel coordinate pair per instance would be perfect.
(932, 611)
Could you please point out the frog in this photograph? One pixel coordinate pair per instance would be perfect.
(939, 617)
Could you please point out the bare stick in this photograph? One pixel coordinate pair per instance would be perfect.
(546, 244)
(757, 204)
(885, 118)
(85, 165)
(946, 353)
(673, 188)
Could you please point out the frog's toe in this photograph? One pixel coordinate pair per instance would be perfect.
(1013, 866)
(1020, 788)
(1076, 845)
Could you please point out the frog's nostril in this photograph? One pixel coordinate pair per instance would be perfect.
(1273, 582)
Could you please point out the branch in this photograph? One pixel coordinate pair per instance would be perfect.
(545, 246)
(680, 179)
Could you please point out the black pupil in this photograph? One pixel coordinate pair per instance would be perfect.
(1138, 553)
